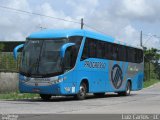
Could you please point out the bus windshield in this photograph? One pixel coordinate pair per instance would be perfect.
(41, 58)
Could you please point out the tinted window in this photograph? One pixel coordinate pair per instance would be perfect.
(73, 51)
(76, 39)
(114, 52)
(139, 56)
(92, 48)
(108, 53)
(130, 54)
(89, 50)
(85, 53)
(121, 53)
(99, 49)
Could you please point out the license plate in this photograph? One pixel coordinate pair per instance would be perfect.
(36, 90)
(41, 79)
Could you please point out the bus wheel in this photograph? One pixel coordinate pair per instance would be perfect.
(81, 95)
(45, 97)
(99, 94)
(127, 92)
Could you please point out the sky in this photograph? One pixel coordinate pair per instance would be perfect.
(121, 19)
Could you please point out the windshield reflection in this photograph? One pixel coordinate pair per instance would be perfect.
(42, 57)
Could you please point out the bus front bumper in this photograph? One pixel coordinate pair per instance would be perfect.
(53, 89)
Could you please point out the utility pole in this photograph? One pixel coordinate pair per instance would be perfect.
(141, 41)
(141, 44)
(82, 23)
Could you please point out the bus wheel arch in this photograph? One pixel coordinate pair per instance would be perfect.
(83, 90)
(130, 81)
(87, 84)
(128, 88)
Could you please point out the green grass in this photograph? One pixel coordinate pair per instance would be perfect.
(150, 82)
(17, 95)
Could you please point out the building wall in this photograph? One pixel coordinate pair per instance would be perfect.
(8, 82)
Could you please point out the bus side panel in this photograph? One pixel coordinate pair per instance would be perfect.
(69, 84)
(96, 81)
(94, 70)
(117, 76)
(136, 74)
(137, 82)
(99, 78)
(130, 71)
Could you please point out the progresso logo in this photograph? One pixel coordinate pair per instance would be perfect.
(99, 65)
(116, 76)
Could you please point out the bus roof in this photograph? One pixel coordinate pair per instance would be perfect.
(54, 33)
(51, 33)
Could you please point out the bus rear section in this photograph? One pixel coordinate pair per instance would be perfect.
(111, 67)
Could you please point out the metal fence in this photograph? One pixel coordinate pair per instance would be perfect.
(149, 71)
(7, 62)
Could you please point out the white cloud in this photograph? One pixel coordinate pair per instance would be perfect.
(82, 8)
(138, 8)
(18, 36)
(13, 24)
(5, 22)
(16, 25)
(116, 18)
(46, 9)
(129, 35)
(151, 41)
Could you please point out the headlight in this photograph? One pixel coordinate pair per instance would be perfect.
(59, 80)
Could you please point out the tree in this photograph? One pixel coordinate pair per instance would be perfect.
(1, 47)
(152, 56)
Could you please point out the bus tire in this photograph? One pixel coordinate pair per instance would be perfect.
(45, 97)
(99, 94)
(127, 92)
(81, 95)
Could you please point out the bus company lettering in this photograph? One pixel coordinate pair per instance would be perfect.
(89, 64)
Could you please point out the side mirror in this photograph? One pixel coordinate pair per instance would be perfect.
(64, 47)
(15, 51)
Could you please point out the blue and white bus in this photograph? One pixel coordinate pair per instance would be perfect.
(77, 62)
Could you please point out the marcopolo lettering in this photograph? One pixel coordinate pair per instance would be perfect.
(90, 64)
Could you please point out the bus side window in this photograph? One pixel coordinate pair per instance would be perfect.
(114, 52)
(134, 55)
(67, 59)
(139, 56)
(92, 48)
(100, 49)
(107, 51)
(74, 53)
(131, 56)
(85, 53)
(122, 53)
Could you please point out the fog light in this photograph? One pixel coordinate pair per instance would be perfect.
(67, 89)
